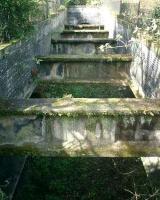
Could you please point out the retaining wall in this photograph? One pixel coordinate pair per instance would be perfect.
(17, 60)
(145, 68)
(75, 123)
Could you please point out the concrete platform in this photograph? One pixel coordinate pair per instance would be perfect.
(86, 58)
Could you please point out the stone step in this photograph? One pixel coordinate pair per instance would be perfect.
(85, 58)
(116, 82)
(84, 26)
(82, 46)
(82, 89)
(84, 34)
(75, 67)
(94, 122)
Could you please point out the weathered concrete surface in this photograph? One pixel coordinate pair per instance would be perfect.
(83, 71)
(80, 106)
(82, 58)
(79, 123)
(84, 26)
(21, 130)
(83, 46)
(145, 67)
(84, 89)
(85, 34)
(82, 67)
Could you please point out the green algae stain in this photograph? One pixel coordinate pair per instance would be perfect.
(81, 90)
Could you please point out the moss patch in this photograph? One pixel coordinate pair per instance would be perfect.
(81, 90)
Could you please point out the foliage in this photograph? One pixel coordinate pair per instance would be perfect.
(81, 90)
(156, 13)
(16, 18)
(2, 195)
(83, 178)
(81, 2)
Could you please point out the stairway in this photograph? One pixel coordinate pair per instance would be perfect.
(77, 57)
(79, 69)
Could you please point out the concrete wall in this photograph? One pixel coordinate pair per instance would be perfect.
(17, 61)
(145, 68)
(84, 70)
(94, 131)
(105, 14)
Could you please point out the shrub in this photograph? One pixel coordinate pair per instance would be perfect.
(156, 12)
(16, 18)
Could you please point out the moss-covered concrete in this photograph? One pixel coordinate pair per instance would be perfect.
(81, 107)
(85, 58)
(51, 89)
(84, 41)
(119, 149)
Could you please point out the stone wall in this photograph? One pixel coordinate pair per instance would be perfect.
(17, 60)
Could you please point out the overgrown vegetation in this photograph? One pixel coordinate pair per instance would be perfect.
(84, 179)
(156, 13)
(147, 22)
(3, 195)
(81, 2)
(16, 18)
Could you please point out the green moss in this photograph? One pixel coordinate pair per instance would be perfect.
(50, 89)
(29, 149)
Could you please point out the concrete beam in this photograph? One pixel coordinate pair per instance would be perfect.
(86, 58)
(91, 107)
